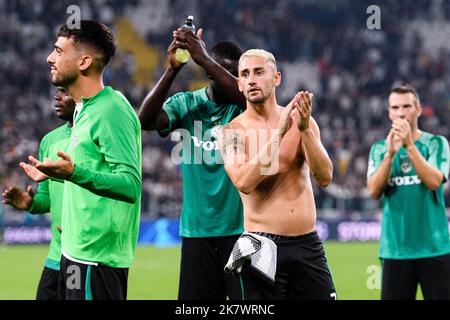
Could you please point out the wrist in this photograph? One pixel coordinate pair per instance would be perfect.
(70, 173)
(173, 70)
(409, 147)
(305, 131)
(389, 155)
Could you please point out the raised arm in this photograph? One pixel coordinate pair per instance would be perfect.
(378, 175)
(428, 173)
(315, 154)
(248, 171)
(196, 47)
(151, 115)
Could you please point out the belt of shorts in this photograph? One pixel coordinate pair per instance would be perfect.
(272, 236)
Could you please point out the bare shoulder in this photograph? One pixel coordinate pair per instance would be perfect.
(236, 123)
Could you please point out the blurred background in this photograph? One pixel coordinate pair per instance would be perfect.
(321, 46)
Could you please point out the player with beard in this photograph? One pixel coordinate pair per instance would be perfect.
(101, 169)
(211, 218)
(269, 153)
(409, 169)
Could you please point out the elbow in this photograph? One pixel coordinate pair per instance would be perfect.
(145, 125)
(374, 194)
(132, 199)
(325, 179)
(324, 182)
(244, 187)
(239, 180)
(433, 186)
(135, 193)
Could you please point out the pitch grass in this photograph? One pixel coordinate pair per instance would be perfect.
(154, 274)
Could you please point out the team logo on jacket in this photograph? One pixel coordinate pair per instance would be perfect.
(405, 165)
(74, 141)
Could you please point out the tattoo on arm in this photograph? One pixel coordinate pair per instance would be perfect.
(233, 145)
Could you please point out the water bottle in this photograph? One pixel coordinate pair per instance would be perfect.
(182, 55)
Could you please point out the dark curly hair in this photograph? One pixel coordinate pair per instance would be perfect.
(92, 34)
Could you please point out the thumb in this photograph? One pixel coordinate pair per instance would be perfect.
(200, 34)
(63, 155)
(291, 104)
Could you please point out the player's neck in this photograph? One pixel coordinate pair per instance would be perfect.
(85, 87)
(416, 134)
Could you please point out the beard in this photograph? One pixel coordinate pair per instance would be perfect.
(63, 80)
(259, 99)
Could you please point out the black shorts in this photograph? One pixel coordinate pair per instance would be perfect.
(302, 271)
(401, 277)
(79, 281)
(48, 285)
(202, 275)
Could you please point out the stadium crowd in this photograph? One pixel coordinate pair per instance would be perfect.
(348, 66)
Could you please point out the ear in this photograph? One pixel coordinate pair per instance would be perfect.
(277, 78)
(241, 88)
(85, 62)
(419, 110)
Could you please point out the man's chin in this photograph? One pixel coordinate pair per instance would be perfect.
(61, 82)
(63, 116)
(257, 100)
(55, 82)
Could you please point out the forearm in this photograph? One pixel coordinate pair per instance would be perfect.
(154, 101)
(379, 180)
(224, 78)
(249, 174)
(317, 158)
(429, 175)
(124, 184)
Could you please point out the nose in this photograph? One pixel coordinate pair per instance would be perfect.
(50, 59)
(401, 112)
(251, 79)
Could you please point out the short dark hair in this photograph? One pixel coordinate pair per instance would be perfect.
(405, 88)
(227, 50)
(93, 34)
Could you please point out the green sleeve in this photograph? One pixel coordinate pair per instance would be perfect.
(175, 108)
(375, 158)
(41, 200)
(118, 137)
(439, 155)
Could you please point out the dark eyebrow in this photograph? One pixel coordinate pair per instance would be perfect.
(58, 48)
